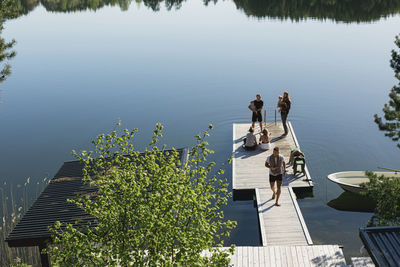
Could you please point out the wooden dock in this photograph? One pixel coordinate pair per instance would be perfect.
(282, 225)
(248, 170)
(284, 233)
(286, 256)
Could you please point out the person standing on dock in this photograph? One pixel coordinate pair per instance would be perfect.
(277, 169)
(285, 107)
(257, 112)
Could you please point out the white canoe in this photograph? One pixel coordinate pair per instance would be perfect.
(351, 180)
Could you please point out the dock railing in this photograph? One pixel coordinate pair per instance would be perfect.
(271, 111)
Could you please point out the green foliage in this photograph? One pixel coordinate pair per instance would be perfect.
(18, 263)
(391, 110)
(150, 209)
(338, 10)
(386, 192)
(15, 199)
(6, 11)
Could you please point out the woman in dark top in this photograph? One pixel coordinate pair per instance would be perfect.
(285, 111)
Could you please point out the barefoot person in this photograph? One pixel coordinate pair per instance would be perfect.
(277, 169)
(257, 116)
(285, 107)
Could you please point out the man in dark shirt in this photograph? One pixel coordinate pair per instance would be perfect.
(257, 116)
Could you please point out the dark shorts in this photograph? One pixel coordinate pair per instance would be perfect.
(256, 116)
(273, 178)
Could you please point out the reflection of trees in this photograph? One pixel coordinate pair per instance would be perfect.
(80, 5)
(337, 10)
(7, 10)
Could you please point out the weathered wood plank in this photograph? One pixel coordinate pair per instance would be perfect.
(279, 225)
(317, 255)
(362, 261)
(272, 256)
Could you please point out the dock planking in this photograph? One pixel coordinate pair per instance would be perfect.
(282, 225)
(249, 171)
(284, 235)
(283, 256)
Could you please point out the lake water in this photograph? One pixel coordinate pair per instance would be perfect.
(79, 69)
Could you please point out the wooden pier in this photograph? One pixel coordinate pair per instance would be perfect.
(284, 233)
(248, 170)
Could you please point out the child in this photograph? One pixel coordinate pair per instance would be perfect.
(280, 103)
(252, 107)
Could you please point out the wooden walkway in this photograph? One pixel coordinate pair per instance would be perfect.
(287, 256)
(282, 225)
(284, 234)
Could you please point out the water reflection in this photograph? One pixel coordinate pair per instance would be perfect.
(348, 201)
(337, 10)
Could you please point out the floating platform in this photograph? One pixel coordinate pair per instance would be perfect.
(283, 225)
(248, 167)
(284, 234)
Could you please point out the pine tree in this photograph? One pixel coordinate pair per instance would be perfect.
(6, 12)
(391, 123)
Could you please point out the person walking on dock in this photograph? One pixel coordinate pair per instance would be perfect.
(257, 116)
(277, 169)
(285, 107)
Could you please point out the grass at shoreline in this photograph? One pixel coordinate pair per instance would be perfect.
(15, 200)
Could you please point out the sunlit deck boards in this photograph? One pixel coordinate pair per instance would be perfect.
(284, 234)
(282, 225)
(248, 170)
(283, 256)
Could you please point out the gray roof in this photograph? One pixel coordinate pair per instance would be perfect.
(382, 244)
(52, 206)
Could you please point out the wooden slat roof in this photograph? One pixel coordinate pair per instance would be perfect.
(52, 206)
(382, 244)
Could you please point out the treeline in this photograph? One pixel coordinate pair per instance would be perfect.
(296, 10)
(337, 10)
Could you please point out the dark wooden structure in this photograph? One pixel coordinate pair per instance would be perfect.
(382, 244)
(52, 206)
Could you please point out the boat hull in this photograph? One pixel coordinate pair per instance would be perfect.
(350, 181)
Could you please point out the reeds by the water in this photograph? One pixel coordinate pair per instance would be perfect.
(15, 200)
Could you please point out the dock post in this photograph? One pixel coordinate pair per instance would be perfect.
(265, 118)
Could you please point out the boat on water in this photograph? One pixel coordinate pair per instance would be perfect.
(351, 180)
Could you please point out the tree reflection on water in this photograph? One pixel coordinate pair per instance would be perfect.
(7, 11)
(347, 11)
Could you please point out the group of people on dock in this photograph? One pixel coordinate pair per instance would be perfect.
(275, 162)
(283, 105)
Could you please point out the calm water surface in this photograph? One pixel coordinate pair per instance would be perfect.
(77, 72)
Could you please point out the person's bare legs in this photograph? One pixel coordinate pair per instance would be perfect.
(260, 127)
(272, 184)
(278, 191)
(252, 124)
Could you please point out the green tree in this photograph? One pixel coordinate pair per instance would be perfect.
(391, 123)
(386, 191)
(7, 11)
(148, 209)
